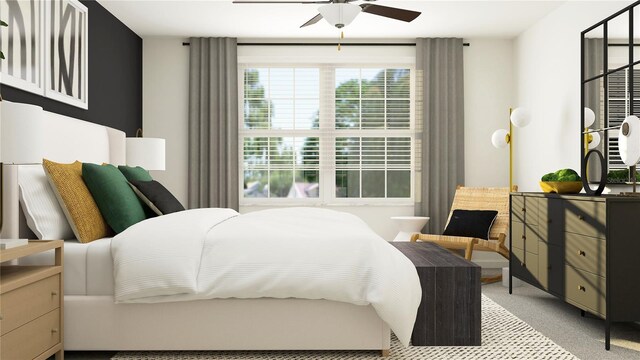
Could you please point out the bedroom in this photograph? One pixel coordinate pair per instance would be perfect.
(140, 73)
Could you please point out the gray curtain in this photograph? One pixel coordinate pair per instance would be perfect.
(594, 94)
(440, 127)
(213, 123)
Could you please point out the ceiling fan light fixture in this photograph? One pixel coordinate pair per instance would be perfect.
(339, 14)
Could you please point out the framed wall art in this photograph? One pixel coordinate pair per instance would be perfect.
(22, 44)
(46, 48)
(66, 33)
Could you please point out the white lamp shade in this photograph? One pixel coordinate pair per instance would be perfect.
(589, 117)
(148, 153)
(339, 15)
(520, 117)
(629, 144)
(22, 133)
(595, 140)
(499, 138)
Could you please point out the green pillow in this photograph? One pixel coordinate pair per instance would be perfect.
(117, 202)
(138, 173)
(134, 173)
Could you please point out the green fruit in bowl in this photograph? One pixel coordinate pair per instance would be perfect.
(563, 175)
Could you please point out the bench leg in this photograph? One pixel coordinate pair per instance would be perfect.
(469, 250)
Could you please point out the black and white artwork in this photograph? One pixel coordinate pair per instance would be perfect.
(66, 52)
(22, 45)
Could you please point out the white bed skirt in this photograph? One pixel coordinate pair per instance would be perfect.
(96, 323)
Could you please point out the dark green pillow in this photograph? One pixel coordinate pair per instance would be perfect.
(117, 202)
(134, 173)
(138, 173)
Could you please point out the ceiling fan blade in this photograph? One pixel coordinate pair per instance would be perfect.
(313, 20)
(390, 12)
(281, 2)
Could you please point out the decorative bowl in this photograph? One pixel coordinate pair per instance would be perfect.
(561, 187)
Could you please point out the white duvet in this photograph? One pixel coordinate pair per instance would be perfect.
(305, 253)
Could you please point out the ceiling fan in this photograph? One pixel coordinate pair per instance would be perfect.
(340, 13)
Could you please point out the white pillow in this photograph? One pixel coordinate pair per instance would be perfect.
(44, 215)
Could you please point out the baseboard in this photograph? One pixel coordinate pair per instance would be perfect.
(491, 264)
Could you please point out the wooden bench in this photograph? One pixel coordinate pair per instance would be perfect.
(449, 314)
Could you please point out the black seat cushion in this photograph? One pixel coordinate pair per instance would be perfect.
(471, 223)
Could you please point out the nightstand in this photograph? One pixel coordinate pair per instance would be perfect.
(31, 304)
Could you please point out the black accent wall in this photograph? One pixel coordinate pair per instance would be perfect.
(115, 76)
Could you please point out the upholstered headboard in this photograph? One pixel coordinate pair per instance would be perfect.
(65, 140)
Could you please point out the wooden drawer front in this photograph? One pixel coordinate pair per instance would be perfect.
(585, 253)
(525, 237)
(551, 220)
(586, 218)
(32, 339)
(517, 208)
(24, 304)
(524, 265)
(585, 289)
(551, 268)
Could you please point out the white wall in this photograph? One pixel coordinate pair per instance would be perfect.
(488, 95)
(165, 99)
(547, 78)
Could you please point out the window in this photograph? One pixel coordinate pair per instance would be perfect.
(327, 134)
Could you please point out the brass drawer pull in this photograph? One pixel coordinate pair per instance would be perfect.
(54, 293)
(581, 253)
(524, 210)
(524, 237)
(582, 288)
(1, 317)
(54, 330)
(523, 265)
(580, 217)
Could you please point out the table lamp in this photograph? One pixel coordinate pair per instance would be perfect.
(148, 153)
(22, 139)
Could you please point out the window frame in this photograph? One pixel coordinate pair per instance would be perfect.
(327, 134)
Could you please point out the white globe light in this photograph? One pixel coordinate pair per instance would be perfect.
(595, 140)
(520, 117)
(499, 138)
(629, 144)
(339, 14)
(589, 117)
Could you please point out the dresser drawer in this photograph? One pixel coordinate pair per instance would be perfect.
(31, 339)
(524, 265)
(586, 253)
(525, 237)
(587, 290)
(517, 208)
(551, 268)
(26, 303)
(586, 217)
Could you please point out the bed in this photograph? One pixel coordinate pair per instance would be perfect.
(94, 321)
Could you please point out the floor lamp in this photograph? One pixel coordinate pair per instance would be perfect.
(518, 117)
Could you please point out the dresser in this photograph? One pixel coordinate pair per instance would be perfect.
(31, 304)
(583, 249)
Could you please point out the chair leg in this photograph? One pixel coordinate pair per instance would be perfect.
(469, 250)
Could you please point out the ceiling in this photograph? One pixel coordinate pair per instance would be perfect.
(185, 18)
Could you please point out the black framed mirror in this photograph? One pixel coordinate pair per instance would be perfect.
(610, 91)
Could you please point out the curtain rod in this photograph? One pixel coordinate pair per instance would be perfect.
(325, 44)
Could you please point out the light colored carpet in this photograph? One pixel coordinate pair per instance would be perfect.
(561, 322)
(504, 336)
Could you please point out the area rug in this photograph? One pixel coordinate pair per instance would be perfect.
(504, 336)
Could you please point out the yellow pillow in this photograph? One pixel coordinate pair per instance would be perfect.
(76, 201)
